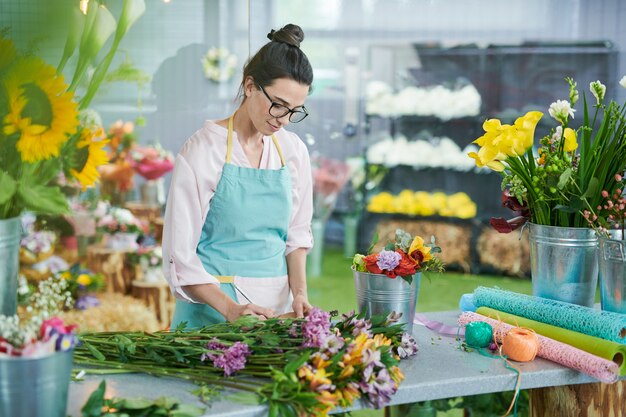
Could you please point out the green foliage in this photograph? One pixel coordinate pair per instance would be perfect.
(97, 405)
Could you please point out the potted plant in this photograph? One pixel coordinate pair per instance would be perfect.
(552, 186)
(388, 281)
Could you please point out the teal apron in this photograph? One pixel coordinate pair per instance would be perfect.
(245, 231)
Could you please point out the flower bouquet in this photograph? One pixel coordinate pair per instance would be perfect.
(118, 173)
(152, 162)
(378, 291)
(295, 366)
(554, 185)
(149, 259)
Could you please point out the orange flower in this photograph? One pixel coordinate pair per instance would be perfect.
(418, 252)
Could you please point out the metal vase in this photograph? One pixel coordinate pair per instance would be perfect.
(10, 235)
(378, 294)
(35, 387)
(564, 263)
(612, 260)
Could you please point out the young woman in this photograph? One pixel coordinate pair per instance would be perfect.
(238, 214)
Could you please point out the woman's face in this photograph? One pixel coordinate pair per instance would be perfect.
(283, 91)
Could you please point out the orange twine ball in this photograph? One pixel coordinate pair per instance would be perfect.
(520, 344)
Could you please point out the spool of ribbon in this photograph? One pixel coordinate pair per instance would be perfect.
(478, 334)
(520, 344)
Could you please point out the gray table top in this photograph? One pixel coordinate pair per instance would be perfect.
(439, 370)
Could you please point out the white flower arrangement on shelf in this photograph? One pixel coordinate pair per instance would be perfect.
(437, 101)
(440, 152)
(219, 64)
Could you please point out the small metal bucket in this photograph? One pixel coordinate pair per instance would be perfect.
(10, 235)
(378, 294)
(35, 387)
(612, 259)
(564, 263)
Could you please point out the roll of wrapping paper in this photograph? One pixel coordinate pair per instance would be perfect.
(603, 324)
(606, 349)
(596, 367)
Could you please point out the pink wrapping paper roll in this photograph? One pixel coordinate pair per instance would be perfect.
(561, 353)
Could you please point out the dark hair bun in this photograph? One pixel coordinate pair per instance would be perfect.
(289, 34)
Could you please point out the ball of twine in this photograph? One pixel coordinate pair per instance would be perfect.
(478, 334)
(520, 344)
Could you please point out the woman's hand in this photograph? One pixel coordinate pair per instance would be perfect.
(237, 310)
(300, 305)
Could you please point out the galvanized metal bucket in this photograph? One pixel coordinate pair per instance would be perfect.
(35, 387)
(612, 260)
(378, 294)
(564, 263)
(10, 235)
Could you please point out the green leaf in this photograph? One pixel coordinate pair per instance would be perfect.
(408, 278)
(8, 186)
(592, 189)
(187, 410)
(374, 242)
(42, 199)
(134, 404)
(564, 178)
(95, 402)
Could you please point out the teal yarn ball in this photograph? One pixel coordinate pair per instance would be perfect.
(478, 334)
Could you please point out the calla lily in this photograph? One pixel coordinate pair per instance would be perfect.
(133, 9)
(99, 26)
(76, 26)
(570, 144)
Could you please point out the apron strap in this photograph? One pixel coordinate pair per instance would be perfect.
(229, 143)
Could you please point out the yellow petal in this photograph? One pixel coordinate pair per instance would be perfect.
(570, 144)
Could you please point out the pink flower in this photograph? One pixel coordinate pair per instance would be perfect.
(55, 326)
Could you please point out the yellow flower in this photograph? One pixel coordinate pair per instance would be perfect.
(570, 144)
(90, 156)
(40, 109)
(84, 279)
(418, 252)
(526, 125)
(66, 275)
(396, 374)
(346, 372)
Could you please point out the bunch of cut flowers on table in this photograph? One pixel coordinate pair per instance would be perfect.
(36, 331)
(555, 184)
(295, 366)
(404, 257)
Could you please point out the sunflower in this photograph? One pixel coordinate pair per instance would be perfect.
(89, 156)
(40, 109)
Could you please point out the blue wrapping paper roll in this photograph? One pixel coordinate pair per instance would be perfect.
(604, 324)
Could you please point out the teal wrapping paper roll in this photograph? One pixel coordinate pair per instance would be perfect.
(604, 324)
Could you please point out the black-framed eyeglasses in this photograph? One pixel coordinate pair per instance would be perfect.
(280, 110)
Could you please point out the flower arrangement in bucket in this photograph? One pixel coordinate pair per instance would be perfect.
(388, 280)
(609, 221)
(552, 187)
(38, 344)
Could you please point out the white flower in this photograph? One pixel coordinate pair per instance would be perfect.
(598, 90)
(561, 110)
(622, 82)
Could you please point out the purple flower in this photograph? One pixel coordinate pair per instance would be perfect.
(316, 328)
(333, 343)
(378, 386)
(65, 342)
(361, 326)
(86, 301)
(230, 359)
(388, 260)
(408, 346)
